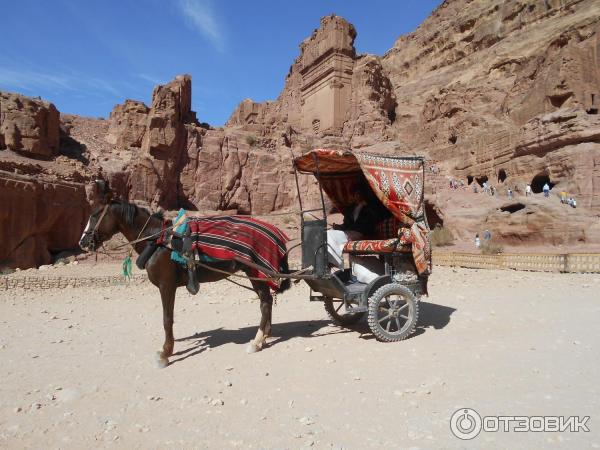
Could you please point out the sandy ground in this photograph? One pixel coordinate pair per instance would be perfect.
(78, 367)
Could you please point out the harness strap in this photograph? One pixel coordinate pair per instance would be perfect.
(137, 239)
(104, 210)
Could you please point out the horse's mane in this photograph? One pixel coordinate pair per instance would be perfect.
(128, 211)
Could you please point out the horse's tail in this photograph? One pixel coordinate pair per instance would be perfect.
(286, 283)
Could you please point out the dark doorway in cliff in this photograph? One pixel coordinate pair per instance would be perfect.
(481, 180)
(558, 100)
(453, 138)
(593, 109)
(501, 175)
(469, 179)
(513, 207)
(537, 183)
(391, 114)
(434, 217)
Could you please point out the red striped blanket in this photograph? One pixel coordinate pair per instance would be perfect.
(240, 238)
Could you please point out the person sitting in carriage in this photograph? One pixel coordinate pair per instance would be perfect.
(360, 220)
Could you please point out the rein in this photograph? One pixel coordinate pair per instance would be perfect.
(274, 277)
(135, 241)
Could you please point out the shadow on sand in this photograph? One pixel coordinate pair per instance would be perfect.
(282, 332)
(431, 315)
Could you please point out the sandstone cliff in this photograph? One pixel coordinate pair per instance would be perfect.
(498, 91)
(488, 90)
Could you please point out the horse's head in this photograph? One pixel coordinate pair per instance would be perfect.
(102, 224)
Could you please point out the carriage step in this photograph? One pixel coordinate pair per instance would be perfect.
(356, 309)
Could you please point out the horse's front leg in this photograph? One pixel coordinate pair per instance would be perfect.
(266, 308)
(167, 295)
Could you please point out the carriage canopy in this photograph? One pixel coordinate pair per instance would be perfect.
(396, 181)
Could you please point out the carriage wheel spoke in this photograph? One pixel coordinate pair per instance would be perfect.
(392, 302)
(387, 327)
(384, 318)
(398, 324)
(339, 307)
(402, 308)
(404, 317)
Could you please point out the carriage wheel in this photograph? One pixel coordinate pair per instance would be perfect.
(338, 314)
(393, 313)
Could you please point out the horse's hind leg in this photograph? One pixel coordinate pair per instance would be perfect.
(266, 307)
(167, 294)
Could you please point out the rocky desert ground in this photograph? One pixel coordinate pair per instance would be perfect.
(78, 367)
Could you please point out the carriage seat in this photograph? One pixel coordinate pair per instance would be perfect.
(385, 240)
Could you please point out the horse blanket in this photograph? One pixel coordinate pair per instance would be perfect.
(240, 238)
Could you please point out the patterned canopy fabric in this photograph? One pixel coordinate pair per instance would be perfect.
(396, 181)
(328, 161)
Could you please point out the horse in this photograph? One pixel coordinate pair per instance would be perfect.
(137, 223)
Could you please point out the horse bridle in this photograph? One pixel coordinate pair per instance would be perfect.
(94, 231)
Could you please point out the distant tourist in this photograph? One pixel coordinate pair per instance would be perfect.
(572, 203)
(487, 235)
(527, 190)
(477, 241)
(546, 190)
(475, 190)
(492, 190)
(510, 193)
(563, 197)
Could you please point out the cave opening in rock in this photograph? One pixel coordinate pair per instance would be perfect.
(513, 207)
(501, 175)
(537, 183)
(469, 179)
(391, 114)
(559, 100)
(433, 216)
(452, 139)
(593, 109)
(481, 180)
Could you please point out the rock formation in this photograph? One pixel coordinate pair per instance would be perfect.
(128, 124)
(155, 173)
(39, 219)
(488, 90)
(28, 125)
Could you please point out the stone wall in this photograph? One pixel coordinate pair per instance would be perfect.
(40, 283)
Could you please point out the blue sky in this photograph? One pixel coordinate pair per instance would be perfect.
(86, 56)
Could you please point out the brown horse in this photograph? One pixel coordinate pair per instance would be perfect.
(134, 223)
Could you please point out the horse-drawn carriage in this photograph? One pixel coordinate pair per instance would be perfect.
(219, 246)
(400, 241)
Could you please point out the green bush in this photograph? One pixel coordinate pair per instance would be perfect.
(491, 248)
(441, 237)
(251, 141)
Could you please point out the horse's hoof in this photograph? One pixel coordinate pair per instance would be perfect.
(161, 362)
(252, 348)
